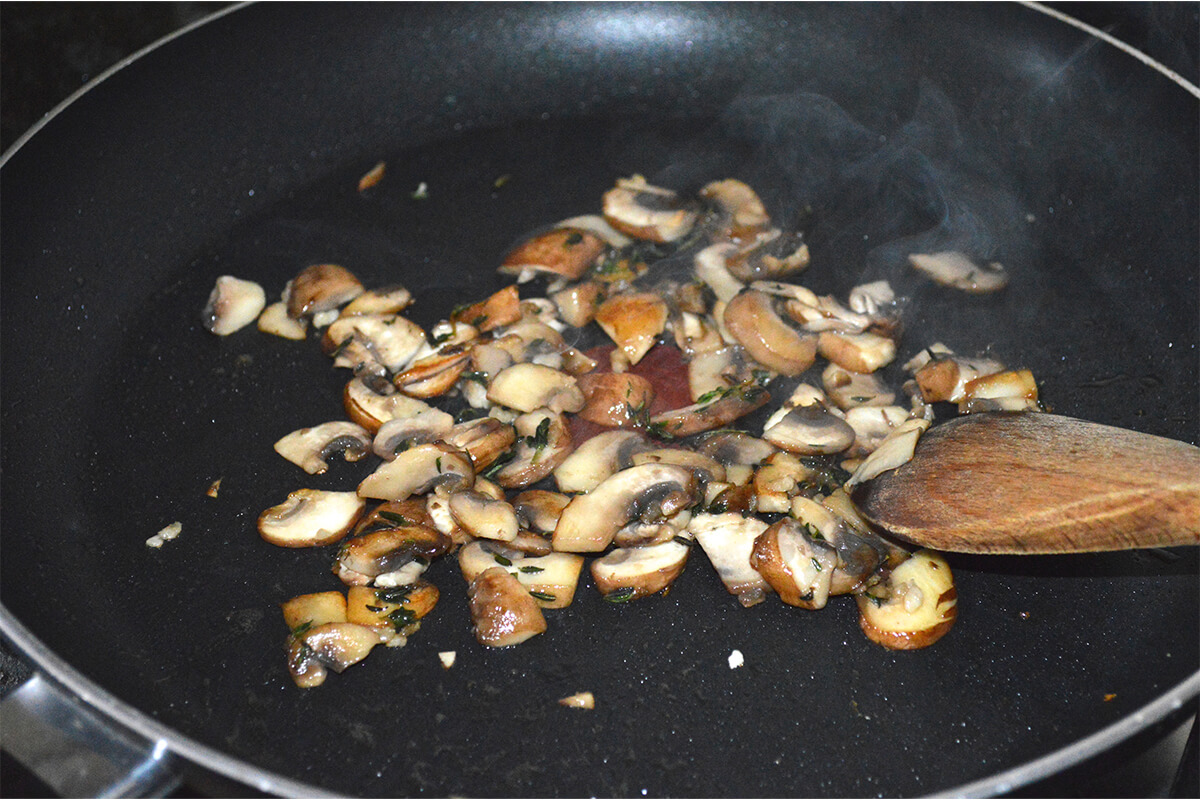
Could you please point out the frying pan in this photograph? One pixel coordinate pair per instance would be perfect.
(236, 148)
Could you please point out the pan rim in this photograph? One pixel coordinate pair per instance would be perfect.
(58, 671)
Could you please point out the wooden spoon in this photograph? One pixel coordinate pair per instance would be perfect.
(1038, 483)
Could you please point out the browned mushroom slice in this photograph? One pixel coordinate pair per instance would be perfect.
(594, 223)
(393, 612)
(857, 352)
(386, 300)
(615, 399)
(308, 448)
(742, 213)
(435, 374)
(310, 518)
(633, 322)
(502, 610)
(394, 514)
(309, 610)
(751, 319)
(320, 287)
(501, 308)
(598, 458)
(808, 430)
(397, 435)
(720, 411)
(387, 552)
(728, 539)
(1012, 390)
(483, 516)
(567, 252)
(526, 387)
(334, 645)
(577, 304)
(798, 567)
(372, 402)
(484, 439)
(956, 270)
(550, 578)
(648, 492)
(233, 304)
(642, 211)
(628, 573)
(770, 256)
(373, 339)
(943, 376)
(539, 509)
(418, 470)
(543, 442)
(920, 606)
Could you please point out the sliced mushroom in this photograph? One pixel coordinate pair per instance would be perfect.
(642, 211)
(743, 214)
(799, 567)
(373, 339)
(274, 320)
(597, 459)
(770, 255)
(370, 403)
(615, 399)
(526, 387)
(849, 389)
(857, 352)
(334, 645)
(704, 467)
(539, 509)
(397, 435)
(435, 374)
(920, 607)
(956, 270)
(308, 448)
(503, 612)
(387, 551)
(543, 443)
(418, 470)
(310, 518)
(393, 515)
(577, 304)
(872, 425)
(386, 300)
(777, 481)
(320, 287)
(713, 370)
(310, 610)
(634, 322)
(728, 539)
(718, 412)
(483, 516)
(565, 251)
(809, 430)
(944, 376)
(393, 612)
(598, 225)
(895, 450)
(1012, 390)
(633, 572)
(696, 334)
(501, 308)
(233, 304)
(551, 578)
(648, 492)
(751, 319)
(870, 298)
(732, 448)
(711, 266)
(484, 439)
(859, 551)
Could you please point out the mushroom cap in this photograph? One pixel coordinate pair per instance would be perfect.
(639, 571)
(483, 516)
(484, 439)
(543, 442)
(397, 435)
(648, 492)
(598, 458)
(637, 209)
(310, 518)
(387, 340)
(387, 550)
(371, 408)
(308, 448)
(810, 430)
(615, 399)
(799, 568)
(503, 611)
(418, 470)
(553, 576)
(733, 403)
(321, 287)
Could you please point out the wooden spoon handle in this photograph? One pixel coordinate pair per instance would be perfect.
(1039, 483)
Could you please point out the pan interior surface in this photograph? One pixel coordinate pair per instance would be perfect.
(110, 441)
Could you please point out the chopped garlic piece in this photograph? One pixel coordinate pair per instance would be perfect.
(736, 659)
(165, 535)
(580, 700)
(447, 657)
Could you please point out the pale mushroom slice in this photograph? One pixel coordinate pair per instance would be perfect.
(233, 304)
(274, 320)
(308, 448)
(397, 435)
(394, 613)
(848, 389)
(564, 251)
(640, 534)
(808, 430)
(1011, 390)
(752, 320)
(943, 376)
(484, 439)
(385, 300)
(628, 573)
(539, 509)
(860, 553)
(386, 340)
(872, 425)
(956, 270)
(371, 401)
(542, 444)
(418, 470)
(714, 370)
(892, 452)
(734, 449)
(310, 610)
(637, 209)
(696, 334)
(402, 553)
(769, 256)
(594, 223)
(648, 492)
(597, 459)
(577, 303)
(711, 265)
(526, 387)
(502, 610)
(728, 539)
(334, 645)
(871, 298)
(798, 566)
(435, 374)
(857, 352)
(310, 518)
(482, 516)
(777, 480)
(920, 606)
(633, 321)
(319, 288)
(704, 467)
(550, 579)
(743, 215)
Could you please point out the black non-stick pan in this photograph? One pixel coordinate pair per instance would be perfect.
(236, 148)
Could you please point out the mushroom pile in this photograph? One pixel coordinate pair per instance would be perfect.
(501, 438)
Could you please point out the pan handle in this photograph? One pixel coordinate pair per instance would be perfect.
(77, 752)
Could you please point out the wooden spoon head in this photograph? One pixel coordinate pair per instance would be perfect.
(1030, 483)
